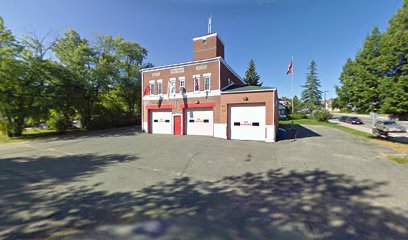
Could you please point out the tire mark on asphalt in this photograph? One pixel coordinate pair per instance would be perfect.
(188, 163)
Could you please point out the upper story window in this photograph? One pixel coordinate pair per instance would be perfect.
(182, 84)
(207, 82)
(204, 42)
(196, 79)
(151, 86)
(172, 86)
(159, 87)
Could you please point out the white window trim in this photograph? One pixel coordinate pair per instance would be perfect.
(207, 75)
(171, 82)
(161, 87)
(198, 78)
(150, 86)
(182, 79)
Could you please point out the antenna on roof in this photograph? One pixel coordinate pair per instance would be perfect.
(209, 24)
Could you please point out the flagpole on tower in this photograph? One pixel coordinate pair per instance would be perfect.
(209, 24)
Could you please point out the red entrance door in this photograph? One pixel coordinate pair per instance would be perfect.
(177, 125)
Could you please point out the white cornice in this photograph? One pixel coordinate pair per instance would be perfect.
(209, 35)
(181, 64)
(248, 91)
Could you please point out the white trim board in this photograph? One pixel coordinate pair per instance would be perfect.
(192, 63)
(248, 91)
(180, 64)
(200, 94)
(209, 35)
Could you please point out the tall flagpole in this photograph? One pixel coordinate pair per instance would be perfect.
(293, 93)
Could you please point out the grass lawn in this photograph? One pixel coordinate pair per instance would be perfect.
(399, 147)
(37, 133)
(400, 160)
(326, 124)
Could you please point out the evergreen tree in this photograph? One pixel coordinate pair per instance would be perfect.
(361, 77)
(394, 60)
(311, 95)
(346, 94)
(251, 76)
(298, 104)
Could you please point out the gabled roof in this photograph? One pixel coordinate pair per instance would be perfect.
(247, 88)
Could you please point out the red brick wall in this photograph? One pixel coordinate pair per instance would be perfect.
(188, 73)
(213, 48)
(225, 74)
(177, 105)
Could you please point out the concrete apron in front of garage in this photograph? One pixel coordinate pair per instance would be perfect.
(326, 185)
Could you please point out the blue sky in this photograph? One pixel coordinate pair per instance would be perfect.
(269, 31)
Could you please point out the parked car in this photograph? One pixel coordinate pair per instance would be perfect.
(76, 124)
(343, 119)
(354, 120)
(307, 111)
(43, 126)
(384, 127)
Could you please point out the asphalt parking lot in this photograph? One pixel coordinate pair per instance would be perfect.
(122, 184)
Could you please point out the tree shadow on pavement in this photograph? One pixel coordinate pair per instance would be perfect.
(272, 205)
(113, 132)
(298, 131)
(28, 184)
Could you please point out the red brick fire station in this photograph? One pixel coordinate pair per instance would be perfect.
(207, 97)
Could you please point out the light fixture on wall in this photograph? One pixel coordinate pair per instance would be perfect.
(245, 98)
(197, 102)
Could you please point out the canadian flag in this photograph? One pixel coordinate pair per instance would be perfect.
(290, 67)
(146, 91)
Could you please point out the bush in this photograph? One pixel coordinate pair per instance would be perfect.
(321, 115)
(345, 110)
(298, 115)
(58, 122)
(110, 117)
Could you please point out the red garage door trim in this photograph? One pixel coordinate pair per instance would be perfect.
(156, 107)
(199, 105)
(194, 105)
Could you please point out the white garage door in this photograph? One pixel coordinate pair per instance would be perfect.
(247, 122)
(160, 121)
(199, 122)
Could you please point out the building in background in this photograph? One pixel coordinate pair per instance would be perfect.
(207, 97)
(328, 105)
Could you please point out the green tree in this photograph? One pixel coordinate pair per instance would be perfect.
(130, 58)
(298, 104)
(311, 95)
(21, 87)
(361, 77)
(394, 62)
(251, 76)
(77, 56)
(38, 67)
(65, 93)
